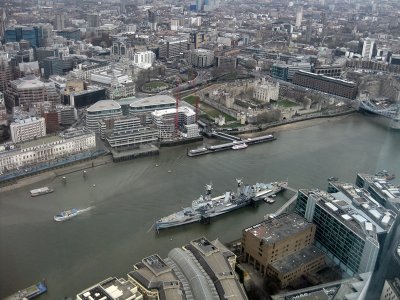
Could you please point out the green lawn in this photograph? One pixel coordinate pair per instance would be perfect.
(155, 85)
(286, 103)
(209, 110)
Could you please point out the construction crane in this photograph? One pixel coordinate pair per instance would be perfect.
(177, 98)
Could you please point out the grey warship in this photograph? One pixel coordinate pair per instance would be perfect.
(206, 207)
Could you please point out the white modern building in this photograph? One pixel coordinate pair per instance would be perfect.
(144, 59)
(143, 107)
(100, 110)
(367, 49)
(27, 129)
(265, 91)
(299, 16)
(67, 144)
(118, 84)
(112, 289)
(164, 120)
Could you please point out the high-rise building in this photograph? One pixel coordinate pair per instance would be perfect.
(368, 47)
(299, 16)
(6, 73)
(60, 21)
(152, 19)
(123, 7)
(350, 226)
(2, 24)
(173, 47)
(93, 20)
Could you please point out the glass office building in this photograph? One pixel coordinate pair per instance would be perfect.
(350, 226)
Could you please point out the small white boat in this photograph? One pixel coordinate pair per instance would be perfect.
(239, 146)
(41, 191)
(69, 214)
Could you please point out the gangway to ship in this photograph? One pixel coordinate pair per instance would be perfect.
(225, 136)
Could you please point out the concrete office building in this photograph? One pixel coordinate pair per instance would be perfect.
(330, 71)
(117, 83)
(349, 225)
(60, 21)
(27, 129)
(67, 114)
(391, 290)
(173, 47)
(100, 110)
(368, 48)
(90, 66)
(93, 20)
(47, 149)
(52, 123)
(111, 289)
(200, 270)
(265, 91)
(334, 86)
(143, 107)
(124, 133)
(201, 58)
(226, 62)
(277, 248)
(27, 91)
(286, 72)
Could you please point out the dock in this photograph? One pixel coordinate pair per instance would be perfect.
(285, 206)
(229, 146)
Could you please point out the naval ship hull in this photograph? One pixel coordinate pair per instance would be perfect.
(179, 218)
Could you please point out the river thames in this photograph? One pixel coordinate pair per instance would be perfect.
(126, 198)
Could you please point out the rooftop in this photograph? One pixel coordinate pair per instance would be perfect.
(153, 100)
(182, 109)
(110, 289)
(28, 82)
(104, 105)
(340, 206)
(366, 204)
(279, 228)
(345, 289)
(297, 259)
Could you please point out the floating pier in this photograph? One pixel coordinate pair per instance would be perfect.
(230, 145)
